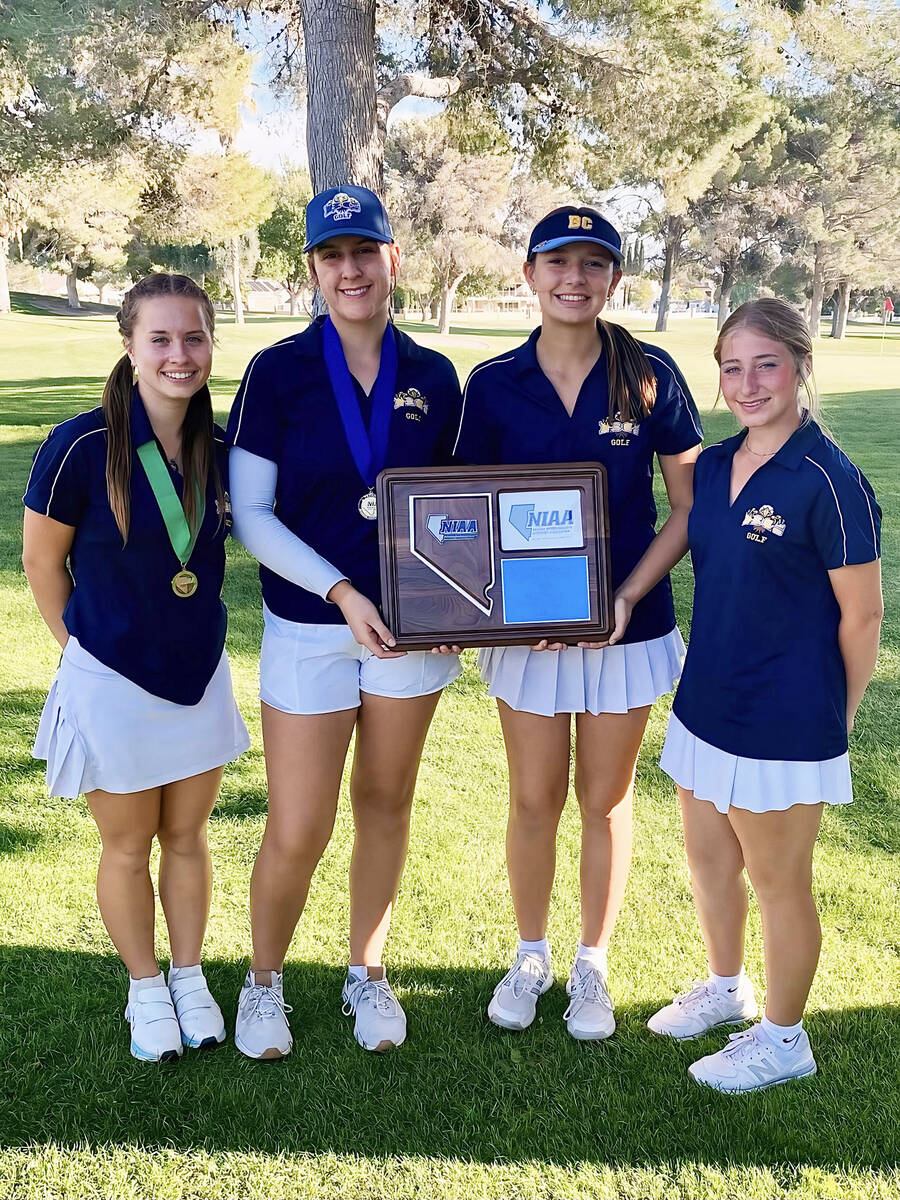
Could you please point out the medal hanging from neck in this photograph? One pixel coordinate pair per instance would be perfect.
(184, 582)
(368, 446)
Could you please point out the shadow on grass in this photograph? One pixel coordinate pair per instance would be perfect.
(457, 1088)
(16, 839)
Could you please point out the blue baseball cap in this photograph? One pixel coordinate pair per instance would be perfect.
(346, 209)
(569, 224)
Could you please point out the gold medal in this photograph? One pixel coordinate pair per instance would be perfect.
(368, 506)
(184, 584)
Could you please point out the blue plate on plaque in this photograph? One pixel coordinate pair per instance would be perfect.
(536, 590)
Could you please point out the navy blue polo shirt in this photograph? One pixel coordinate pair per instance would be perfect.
(512, 414)
(122, 608)
(285, 411)
(764, 677)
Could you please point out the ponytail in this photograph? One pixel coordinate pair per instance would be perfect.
(632, 384)
(117, 408)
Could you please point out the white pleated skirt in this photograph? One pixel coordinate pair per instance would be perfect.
(100, 730)
(612, 680)
(756, 784)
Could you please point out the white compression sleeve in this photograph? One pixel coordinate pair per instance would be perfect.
(252, 484)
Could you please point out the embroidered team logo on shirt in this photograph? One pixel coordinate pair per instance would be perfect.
(763, 521)
(341, 207)
(619, 431)
(413, 402)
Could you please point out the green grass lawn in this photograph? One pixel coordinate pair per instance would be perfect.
(462, 1110)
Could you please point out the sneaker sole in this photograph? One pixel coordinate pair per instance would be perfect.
(270, 1054)
(383, 1046)
(756, 1087)
(591, 1035)
(207, 1043)
(166, 1056)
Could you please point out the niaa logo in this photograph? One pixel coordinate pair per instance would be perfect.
(451, 529)
(526, 521)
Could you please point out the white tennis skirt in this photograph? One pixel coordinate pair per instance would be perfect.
(756, 784)
(612, 680)
(100, 730)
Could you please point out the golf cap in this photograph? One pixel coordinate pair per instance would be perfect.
(346, 209)
(567, 225)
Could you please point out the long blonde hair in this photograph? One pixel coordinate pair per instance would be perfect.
(777, 320)
(197, 431)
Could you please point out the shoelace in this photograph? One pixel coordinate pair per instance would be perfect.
(383, 997)
(743, 1044)
(526, 971)
(588, 988)
(263, 1002)
(698, 990)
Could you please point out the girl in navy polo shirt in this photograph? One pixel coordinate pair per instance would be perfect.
(318, 415)
(125, 523)
(784, 537)
(581, 389)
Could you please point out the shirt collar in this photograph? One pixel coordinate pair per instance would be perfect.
(791, 454)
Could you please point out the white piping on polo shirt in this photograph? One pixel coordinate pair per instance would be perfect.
(668, 367)
(836, 504)
(493, 362)
(61, 465)
(246, 380)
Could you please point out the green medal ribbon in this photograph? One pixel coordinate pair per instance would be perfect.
(170, 507)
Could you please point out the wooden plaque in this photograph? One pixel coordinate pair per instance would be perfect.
(495, 556)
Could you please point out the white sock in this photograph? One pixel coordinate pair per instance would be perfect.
(185, 972)
(783, 1036)
(540, 947)
(726, 983)
(355, 972)
(148, 981)
(595, 955)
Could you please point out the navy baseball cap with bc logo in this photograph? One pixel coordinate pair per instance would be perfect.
(569, 224)
(346, 209)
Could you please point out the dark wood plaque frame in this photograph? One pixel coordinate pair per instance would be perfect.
(423, 608)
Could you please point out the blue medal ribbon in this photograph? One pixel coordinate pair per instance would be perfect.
(368, 446)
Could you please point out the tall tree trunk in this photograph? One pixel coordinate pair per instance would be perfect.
(234, 256)
(818, 291)
(448, 295)
(292, 302)
(841, 310)
(72, 288)
(342, 137)
(5, 303)
(674, 229)
(100, 287)
(725, 289)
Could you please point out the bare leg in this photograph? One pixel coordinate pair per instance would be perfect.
(778, 849)
(717, 881)
(537, 749)
(304, 762)
(390, 734)
(185, 870)
(127, 824)
(606, 750)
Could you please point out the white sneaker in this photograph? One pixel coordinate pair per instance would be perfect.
(514, 1003)
(380, 1021)
(199, 1017)
(261, 1029)
(752, 1061)
(155, 1035)
(704, 1007)
(589, 1016)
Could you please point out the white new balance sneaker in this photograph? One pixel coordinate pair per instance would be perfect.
(155, 1035)
(752, 1061)
(704, 1007)
(514, 1003)
(261, 1029)
(380, 1021)
(199, 1017)
(589, 1016)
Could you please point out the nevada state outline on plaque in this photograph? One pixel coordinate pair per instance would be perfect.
(453, 535)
